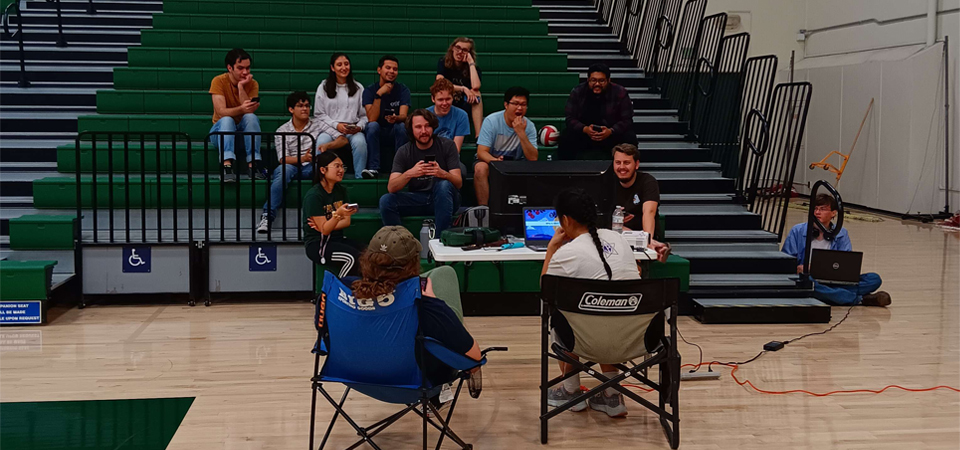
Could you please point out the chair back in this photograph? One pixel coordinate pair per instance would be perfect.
(370, 341)
(611, 321)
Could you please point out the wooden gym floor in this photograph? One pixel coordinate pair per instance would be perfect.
(248, 365)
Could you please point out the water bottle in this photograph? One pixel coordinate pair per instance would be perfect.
(427, 231)
(618, 220)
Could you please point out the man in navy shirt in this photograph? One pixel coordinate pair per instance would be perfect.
(387, 103)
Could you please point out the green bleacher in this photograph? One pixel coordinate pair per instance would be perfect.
(165, 86)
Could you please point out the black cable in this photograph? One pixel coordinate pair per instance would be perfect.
(695, 345)
(740, 363)
(824, 331)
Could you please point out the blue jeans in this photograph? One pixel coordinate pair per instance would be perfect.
(442, 202)
(281, 178)
(374, 131)
(250, 124)
(358, 147)
(847, 295)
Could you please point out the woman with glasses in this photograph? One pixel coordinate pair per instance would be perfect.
(459, 66)
(326, 212)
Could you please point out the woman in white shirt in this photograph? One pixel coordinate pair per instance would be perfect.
(342, 117)
(580, 250)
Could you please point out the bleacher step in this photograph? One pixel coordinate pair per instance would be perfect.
(720, 235)
(760, 310)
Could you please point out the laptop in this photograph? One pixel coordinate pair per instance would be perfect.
(835, 267)
(539, 225)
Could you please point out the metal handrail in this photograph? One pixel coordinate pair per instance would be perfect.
(749, 190)
(659, 31)
(61, 41)
(22, 82)
(713, 76)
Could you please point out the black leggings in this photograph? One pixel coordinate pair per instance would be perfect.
(338, 251)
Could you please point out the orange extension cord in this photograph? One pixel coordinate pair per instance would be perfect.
(735, 367)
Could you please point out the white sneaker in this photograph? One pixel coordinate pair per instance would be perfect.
(264, 226)
(368, 174)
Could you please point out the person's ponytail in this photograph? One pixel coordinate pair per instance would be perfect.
(596, 241)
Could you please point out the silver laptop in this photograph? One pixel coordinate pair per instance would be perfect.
(539, 225)
(835, 266)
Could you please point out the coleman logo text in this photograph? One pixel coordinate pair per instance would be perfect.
(595, 301)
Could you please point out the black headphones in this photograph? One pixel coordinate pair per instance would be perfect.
(815, 232)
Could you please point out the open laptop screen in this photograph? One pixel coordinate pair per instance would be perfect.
(539, 224)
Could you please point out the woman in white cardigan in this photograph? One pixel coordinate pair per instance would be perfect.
(342, 117)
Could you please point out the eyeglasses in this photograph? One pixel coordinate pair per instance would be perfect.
(518, 104)
(823, 209)
(460, 49)
(597, 81)
(336, 166)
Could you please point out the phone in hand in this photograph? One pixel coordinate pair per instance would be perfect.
(255, 99)
(353, 206)
(429, 158)
(596, 128)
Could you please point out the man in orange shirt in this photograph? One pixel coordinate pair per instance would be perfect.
(235, 100)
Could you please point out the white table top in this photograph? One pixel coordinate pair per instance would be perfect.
(442, 253)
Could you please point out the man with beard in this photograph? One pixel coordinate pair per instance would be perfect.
(504, 136)
(429, 167)
(386, 103)
(599, 115)
(638, 192)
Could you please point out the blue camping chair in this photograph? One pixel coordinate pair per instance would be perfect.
(374, 350)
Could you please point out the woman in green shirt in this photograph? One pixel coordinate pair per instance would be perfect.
(326, 214)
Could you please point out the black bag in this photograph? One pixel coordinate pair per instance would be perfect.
(464, 236)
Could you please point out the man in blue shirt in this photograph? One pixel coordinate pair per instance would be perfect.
(387, 103)
(504, 136)
(825, 209)
(454, 124)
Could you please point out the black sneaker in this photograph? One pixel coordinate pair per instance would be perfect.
(256, 174)
(228, 175)
(369, 174)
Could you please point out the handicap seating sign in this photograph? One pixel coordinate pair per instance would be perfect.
(22, 312)
(136, 259)
(263, 257)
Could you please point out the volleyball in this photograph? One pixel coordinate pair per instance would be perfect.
(549, 136)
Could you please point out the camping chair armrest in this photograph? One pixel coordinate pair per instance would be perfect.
(493, 349)
(450, 357)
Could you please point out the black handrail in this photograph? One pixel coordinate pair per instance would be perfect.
(61, 41)
(713, 76)
(748, 191)
(22, 82)
(812, 219)
(658, 42)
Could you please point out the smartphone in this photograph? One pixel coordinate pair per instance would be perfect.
(353, 206)
(429, 158)
(597, 128)
(255, 99)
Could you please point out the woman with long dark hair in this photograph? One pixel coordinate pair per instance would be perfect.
(459, 65)
(581, 250)
(337, 106)
(325, 215)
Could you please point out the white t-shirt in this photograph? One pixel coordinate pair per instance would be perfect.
(821, 244)
(579, 258)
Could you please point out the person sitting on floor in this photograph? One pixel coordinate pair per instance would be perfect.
(394, 256)
(235, 97)
(864, 293)
(580, 250)
(325, 215)
(342, 118)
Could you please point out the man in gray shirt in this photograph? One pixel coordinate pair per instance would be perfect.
(429, 167)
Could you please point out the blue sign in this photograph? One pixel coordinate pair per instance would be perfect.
(21, 312)
(263, 257)
(136, 259)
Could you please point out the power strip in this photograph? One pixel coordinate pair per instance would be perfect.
(699, 376)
